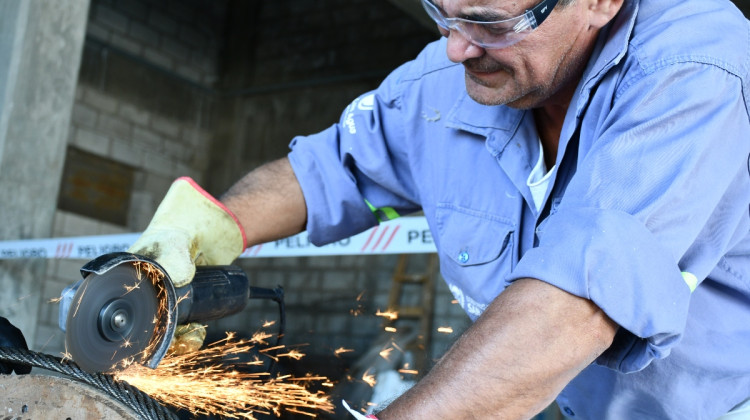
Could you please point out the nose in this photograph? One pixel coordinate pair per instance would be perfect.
(460, 49)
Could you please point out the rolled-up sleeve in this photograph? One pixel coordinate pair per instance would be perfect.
(660, 193)
(356, 167)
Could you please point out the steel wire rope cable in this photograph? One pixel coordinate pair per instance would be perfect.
(142, 404)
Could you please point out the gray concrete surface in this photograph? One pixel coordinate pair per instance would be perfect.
(48, 397)
(40, 50)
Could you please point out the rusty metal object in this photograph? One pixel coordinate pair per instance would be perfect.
(51, 397)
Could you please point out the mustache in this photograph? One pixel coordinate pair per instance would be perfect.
(484, 65)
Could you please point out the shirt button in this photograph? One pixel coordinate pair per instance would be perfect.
(568, 411)
(463, 257)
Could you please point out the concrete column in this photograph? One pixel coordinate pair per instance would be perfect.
(40, 52)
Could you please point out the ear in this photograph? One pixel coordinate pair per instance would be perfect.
(603, 11)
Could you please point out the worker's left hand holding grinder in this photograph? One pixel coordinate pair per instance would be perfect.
(189, 228)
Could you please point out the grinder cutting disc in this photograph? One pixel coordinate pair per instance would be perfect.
(111, 318)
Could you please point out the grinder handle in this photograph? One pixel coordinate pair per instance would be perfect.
(215, 292)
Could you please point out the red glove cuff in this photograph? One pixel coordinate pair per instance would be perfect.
(221, 205)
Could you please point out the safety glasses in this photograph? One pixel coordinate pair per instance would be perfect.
(497, 34)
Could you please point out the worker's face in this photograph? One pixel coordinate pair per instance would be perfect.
(543, 65)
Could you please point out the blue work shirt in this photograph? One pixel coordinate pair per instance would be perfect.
(648, 214)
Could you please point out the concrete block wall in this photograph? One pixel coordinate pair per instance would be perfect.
(181, 36)
(330, 38)
(144, 96)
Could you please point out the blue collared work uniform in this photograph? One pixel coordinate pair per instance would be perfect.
(647, 215)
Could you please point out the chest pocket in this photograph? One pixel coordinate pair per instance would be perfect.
(476, 251)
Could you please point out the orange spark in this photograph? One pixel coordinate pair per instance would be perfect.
(359, 309)
(369, 378)
(198, 382)
(44, 346)
(161, 319)
(339, 351)
(267, 349)
(407, 371)
(445, 330)
(391, 315)
(390, 329)
(386, 353)
(260, 337)
(292, 354)
(454, 301)
(183, 297)
(135, 286)
(267, 324)
(78, 305)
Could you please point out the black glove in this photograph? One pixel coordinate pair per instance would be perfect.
(10, 336)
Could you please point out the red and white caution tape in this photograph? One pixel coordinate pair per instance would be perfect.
(83, 247)
(406, 235)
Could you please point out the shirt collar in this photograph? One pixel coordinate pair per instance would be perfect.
(471, 116)
(612, 45)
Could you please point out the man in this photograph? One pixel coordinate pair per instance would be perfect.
(587, 185)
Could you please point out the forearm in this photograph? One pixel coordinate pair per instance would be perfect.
(529, 343)
(268, 202)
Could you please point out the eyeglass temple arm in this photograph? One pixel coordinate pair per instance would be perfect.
(542, 10)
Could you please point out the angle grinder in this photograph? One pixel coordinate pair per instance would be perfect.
(125, 308)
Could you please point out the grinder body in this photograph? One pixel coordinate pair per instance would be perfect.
(214, 292)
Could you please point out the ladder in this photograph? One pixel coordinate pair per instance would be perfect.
(417, 314)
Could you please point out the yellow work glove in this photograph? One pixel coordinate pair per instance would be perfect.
(190, 228)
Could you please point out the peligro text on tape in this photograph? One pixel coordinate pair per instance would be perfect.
(406, 235)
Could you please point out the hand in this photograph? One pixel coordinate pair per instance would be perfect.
(190, 228)
(10, 336)
(187, 338)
